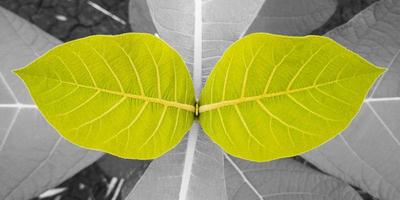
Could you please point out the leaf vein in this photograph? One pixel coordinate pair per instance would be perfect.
(249, 66)
(265, 109)
(275, 68)
(79, 106)
(157, 69)
(303, 66)
(246, 126)
(100, 116)
(110, 68)
(224, 127)
(311, 111)
(183, 106)
(133, 67)
(138, 115)
(156, 129)
(86, 67)
(212, 106)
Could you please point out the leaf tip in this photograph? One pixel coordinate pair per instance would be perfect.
(381, 70)
(18, 71)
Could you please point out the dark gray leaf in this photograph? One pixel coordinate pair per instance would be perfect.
(33, 157)
(282, 179)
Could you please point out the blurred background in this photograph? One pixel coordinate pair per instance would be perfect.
(112, 178)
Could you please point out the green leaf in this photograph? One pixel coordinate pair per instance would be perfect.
(272, 96)
(129, 95)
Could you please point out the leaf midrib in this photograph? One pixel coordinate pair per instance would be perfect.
(187, 107)
(213, 106)
(167, 103)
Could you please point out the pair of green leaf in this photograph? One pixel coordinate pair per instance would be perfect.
(268, 97)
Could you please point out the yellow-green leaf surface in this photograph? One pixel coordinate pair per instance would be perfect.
(129, 95)
(272, 96)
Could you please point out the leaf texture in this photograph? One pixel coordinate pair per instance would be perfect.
(278, 96)
(33, 157)
(129, 95)
(282, 179)
(367, 154)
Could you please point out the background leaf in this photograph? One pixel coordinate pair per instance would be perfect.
(273, 96)
(33, 157)
(291, 17)
(120, 94)
(169, 176)
(225, 21)
(282, 179)
(367, 154)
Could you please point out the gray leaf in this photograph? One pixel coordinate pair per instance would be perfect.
(192, 170)
(282, 179)
(33, 156)
(367, 154)
(225, 21)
